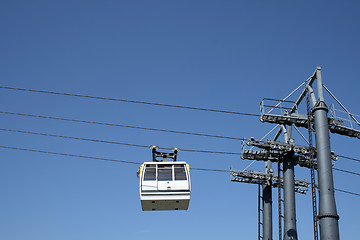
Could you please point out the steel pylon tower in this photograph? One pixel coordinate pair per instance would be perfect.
(316, 120)
(273, 151)
(288, 154)
(312, 171)
(328, 217)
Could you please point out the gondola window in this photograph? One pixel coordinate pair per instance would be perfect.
(150, 173)
(180, 173)
(165, 173)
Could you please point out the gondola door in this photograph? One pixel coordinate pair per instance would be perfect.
(164, 177)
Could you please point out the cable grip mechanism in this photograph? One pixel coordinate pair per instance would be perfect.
(156, 154)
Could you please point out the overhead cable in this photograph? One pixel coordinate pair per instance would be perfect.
(212, 170)
(113, 142)
(142, 146)
(74, 138)
(122, 161)
(97, 158)
(135, 145)
(121, 125)
(346, 171)
(350, 158)
(69, 155)
(356, 194)
(129, 101)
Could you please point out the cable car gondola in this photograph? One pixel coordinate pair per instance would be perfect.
(164, 185)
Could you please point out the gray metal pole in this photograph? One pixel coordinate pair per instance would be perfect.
(267, 212)
(290, 232)
(328, 218)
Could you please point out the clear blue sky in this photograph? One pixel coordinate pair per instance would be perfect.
(213, 54)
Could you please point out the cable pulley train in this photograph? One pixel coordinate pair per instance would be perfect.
(164, 184)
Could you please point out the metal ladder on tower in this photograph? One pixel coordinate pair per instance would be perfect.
(312, 171)
(280, 200)
(260, 212)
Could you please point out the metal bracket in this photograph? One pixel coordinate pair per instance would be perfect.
(274, 151)
(263, 178)
(164, 156)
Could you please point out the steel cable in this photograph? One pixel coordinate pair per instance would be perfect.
(129, 101)
(122, 161)
(121, 125)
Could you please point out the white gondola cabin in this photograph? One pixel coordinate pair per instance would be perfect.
(164, 186)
